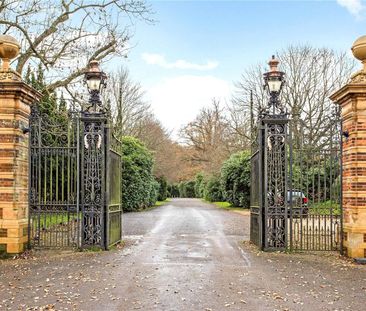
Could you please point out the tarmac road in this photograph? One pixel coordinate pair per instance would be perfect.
(186, 255)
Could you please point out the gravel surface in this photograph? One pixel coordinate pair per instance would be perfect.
(186, 255)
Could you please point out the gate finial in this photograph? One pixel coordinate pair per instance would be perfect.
(9, 49)
(359, 50)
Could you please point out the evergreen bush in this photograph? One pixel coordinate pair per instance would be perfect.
(199, 186)
(235, 179)
(163, 188)
(213, 190)
(190, 189)
(173, 191)
(139, 187)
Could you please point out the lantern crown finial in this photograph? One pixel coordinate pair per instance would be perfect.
(273, 64)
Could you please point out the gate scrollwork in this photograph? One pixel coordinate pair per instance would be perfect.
(93, 187)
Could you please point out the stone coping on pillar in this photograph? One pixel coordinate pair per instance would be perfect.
(19, 89)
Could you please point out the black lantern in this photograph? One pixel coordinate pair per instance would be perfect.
(273, 83)
(96, 81)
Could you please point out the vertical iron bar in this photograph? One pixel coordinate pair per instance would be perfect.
(265, 182)
(330, 189)
(103, 184)
(313, 199)
(107, 186)
(291, 187)
(57, 181)
(341, 179)
(251, 123)
(78, 214)
(301, 159)
(260, 187)
(30, 167)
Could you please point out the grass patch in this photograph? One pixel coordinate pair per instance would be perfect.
(49, 220)
(92, 249)
(160, 203)
(157, 204)
(226, 206)
(223, 204)
(325, 208)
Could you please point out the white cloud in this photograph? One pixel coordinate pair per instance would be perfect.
(355, 7)
(158, 59)
(176, 101)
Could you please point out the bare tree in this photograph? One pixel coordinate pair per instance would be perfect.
(312, 74)
(209, 136)
(128, 107)
(64, 35)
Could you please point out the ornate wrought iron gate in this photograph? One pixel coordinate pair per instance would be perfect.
(93, 181)
(54, 215)
(269, 208)
(315, 177)
(75, 181)
(296, 186)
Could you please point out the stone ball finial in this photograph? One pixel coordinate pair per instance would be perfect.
(9, 49)
(359, 50)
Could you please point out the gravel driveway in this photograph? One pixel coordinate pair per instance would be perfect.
(186, 255)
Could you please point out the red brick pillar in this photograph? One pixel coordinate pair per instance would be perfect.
(15, 100)
(352, 99)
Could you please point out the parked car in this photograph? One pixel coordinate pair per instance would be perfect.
(299, 206)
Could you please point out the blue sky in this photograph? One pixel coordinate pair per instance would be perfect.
(197, 49)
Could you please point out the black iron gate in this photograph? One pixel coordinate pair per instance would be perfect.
(269, 208)
(114, 204)
(315, 179)
(93, 180)
(296, 186)
(75, 183)
(54, 214)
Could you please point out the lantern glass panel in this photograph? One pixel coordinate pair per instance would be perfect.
(93, 84)
(274, 85)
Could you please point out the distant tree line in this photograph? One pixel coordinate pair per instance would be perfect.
(231, 184)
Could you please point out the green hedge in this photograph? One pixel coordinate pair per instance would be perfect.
(200, 184)
(139, 187)
(163, 188)
(235, 179)
(173, 191)
(231, 185)
(213, 190)
(187, 189)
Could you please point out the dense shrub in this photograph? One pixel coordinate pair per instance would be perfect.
(213, 190)
(154, 192)
(235, 179)
(199, 186)
(187, 189)
(182, 189)
(139, 188)
(173, 191)
(163, 188)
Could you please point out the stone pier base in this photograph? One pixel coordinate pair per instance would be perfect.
(352, 99)
(15, 100)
